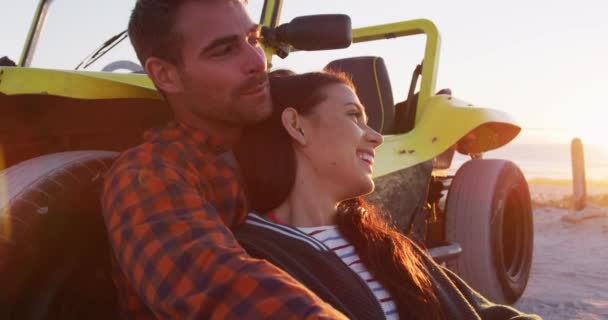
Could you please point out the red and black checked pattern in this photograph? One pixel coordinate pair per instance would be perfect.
(167, 206)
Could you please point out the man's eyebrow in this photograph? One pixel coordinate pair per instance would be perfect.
(220, 42)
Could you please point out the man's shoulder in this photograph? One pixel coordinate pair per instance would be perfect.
(147, 156)
(144, 154)
(162, 155)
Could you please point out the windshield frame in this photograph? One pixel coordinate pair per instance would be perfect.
(270, 14)
(36, 27)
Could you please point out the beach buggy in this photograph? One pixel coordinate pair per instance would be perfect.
(60, 131)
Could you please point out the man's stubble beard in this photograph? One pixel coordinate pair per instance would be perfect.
(232, 111)
(232, 115)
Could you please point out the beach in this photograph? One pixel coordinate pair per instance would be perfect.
(569, 276)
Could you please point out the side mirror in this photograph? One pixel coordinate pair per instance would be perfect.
(309, 33)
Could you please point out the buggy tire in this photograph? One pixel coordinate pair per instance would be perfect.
(489, 213)
(54, 253)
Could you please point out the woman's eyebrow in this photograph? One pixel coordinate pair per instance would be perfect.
(358, 105)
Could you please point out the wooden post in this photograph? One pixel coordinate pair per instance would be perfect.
(579, 183)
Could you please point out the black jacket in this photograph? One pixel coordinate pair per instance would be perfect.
(319, 269)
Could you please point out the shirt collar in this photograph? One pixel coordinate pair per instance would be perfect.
(179, 131)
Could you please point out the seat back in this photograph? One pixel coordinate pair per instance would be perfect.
(373, 86)
(55, 256)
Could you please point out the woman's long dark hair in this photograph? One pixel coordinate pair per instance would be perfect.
(268, 166)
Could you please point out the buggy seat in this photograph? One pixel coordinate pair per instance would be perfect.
(370, 77)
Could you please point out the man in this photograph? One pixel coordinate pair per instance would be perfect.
(169, 203)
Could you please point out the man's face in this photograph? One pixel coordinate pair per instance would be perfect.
(223, 69)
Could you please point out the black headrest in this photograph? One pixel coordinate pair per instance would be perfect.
(373, 88)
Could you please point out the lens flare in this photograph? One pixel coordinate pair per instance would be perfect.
(5, 222)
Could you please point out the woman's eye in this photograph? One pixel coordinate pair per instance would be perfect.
(356, 114)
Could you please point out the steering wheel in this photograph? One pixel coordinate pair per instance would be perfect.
(123, 65)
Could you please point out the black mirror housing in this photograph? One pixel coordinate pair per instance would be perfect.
(310, 33)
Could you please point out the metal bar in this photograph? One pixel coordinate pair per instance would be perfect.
(431, 52)
(31, 41)
(579, 183)
(271, 14)
(446, 252)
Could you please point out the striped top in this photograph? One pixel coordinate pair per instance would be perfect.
(333, 239)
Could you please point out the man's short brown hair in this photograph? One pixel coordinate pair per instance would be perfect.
(151, 29)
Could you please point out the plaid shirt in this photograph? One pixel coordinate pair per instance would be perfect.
(167, 205)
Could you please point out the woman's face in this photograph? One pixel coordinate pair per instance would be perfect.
(339, 144)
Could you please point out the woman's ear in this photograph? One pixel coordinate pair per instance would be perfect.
(292, 122)
(163, 74)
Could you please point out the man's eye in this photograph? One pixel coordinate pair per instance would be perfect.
(254, 40)
(222, 51)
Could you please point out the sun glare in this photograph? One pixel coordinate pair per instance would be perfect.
(593, 132)
(591, 138)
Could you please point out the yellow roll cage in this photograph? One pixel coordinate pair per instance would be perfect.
(441, 123)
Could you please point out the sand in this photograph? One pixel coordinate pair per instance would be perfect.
(540, 192)
(569, 277)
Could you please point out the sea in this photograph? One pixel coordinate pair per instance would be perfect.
(547, 161)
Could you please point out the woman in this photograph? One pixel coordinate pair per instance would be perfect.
(303, 170)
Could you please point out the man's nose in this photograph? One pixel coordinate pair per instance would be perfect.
(254, 60)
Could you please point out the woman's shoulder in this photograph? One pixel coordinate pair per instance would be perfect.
(256, 230)
(317, 231)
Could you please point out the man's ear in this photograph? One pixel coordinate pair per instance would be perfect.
(292, 122)
(163, 74)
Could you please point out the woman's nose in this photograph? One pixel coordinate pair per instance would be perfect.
(374, 137)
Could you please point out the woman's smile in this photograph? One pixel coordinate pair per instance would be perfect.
(367, 156)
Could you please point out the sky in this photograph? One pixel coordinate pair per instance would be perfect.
(544, 62)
